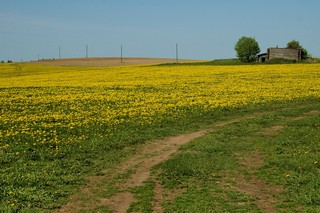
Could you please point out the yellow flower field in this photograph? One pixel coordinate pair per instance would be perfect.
(57, 124)
(41, 104)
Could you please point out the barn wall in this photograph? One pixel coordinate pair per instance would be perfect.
(291, 54)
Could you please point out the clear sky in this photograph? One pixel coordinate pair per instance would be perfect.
(203, 29)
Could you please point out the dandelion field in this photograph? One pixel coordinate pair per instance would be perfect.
(59, 124)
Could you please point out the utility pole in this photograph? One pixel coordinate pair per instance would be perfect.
(121, 54)
(59, 52)
(177, 56)
(87, 51)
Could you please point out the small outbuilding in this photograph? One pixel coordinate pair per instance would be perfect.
(262, 57)
(284, 53)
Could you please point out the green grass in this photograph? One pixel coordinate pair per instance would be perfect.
(233, 61)
(144, 194)
(291, 160)
(216, 62)
(282, 61)
(200, 167)
(294, 162)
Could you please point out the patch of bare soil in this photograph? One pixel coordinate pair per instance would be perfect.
(148, 156)
(306, 114)
(263, 192)
(274, 130)
(163, 195)
(155, 152)
(151, 155)
(110, 62)
(253, 160)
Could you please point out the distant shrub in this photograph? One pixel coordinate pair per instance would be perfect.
(312, 60)
(2, 62)
(296, 45)
(280, 61)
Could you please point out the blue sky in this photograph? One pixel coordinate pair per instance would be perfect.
(204, 29)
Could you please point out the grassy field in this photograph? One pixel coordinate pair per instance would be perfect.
(232, 62)
(269, 163)
(61, 124)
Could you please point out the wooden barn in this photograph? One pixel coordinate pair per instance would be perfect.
(285, 53)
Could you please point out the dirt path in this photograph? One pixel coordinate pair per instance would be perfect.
(137, 170)
(150, 155)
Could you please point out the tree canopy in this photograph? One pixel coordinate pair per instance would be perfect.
(247, 49)
(296, 45)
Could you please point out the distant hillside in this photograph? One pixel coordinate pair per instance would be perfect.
(101, 62)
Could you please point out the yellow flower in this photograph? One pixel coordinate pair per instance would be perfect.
(48, 105)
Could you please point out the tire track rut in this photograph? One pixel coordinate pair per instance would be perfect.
(151, 154)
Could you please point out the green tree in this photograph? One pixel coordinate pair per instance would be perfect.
(247, 49)
(293, 44)
(296, 45)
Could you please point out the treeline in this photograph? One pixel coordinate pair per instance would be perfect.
(9, 61)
